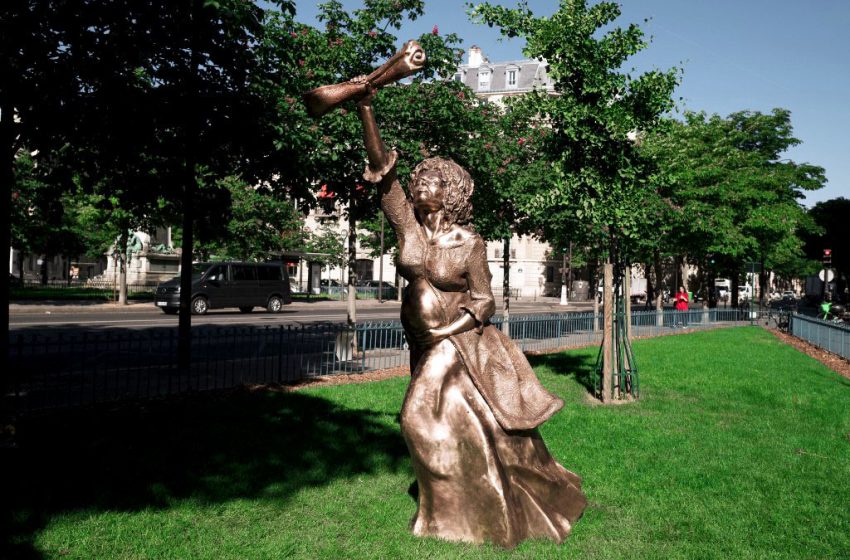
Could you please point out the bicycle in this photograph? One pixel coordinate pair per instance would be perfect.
(781, 319)
(832, 312)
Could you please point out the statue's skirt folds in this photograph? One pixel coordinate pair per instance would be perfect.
(478, 481)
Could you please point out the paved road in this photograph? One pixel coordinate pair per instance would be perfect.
(39, 315)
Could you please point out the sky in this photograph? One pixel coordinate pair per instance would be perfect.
(735, 54)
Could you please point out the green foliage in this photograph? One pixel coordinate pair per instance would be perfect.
(598, 181)
(832, 218)
(353, 44)
(132, 102)
(259, 226)
(98, 220)
(723, 190)
(371, 240)
(328, 246)
(38, 220)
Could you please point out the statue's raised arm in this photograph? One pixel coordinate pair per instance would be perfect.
(408, 60)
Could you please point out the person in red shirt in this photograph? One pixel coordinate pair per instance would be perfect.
(682, 304)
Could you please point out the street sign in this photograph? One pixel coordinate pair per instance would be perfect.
(829, 275)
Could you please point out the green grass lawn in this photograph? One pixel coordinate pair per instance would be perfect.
(739, 448)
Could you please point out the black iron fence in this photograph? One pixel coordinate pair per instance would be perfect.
(71, 370)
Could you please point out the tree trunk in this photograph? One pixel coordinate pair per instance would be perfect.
(21, 256)
(7, 137)
(594, 292)
(659, 296)
(712, 290)
(43, 269)
(764, 285)
(381, 264)
(607, 332)
(506, 286)
(650, 284)
(735, 281)
(627, 293)
(123, 242)
(184, 325)
(122, 280)
(351, 318)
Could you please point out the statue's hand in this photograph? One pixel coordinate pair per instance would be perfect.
(367, 87)
(431, 337)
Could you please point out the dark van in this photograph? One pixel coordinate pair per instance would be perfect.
(229, 284)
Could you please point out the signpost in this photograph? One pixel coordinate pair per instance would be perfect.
(825, 274)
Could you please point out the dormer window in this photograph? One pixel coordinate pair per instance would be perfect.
(484, 79)
(511, 77)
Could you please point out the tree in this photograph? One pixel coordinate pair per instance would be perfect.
(727, 194)
(146, 98)
(259, 225)
(352, 44)
(597, 192)
(38, 220)
(831, 216)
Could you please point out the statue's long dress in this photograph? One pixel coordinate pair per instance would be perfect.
(473, 406)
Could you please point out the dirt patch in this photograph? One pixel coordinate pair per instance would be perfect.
(339, 379)
(832, 361)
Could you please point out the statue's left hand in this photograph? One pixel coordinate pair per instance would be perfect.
(368, 88)
(431, 337)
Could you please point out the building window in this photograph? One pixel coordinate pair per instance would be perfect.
(484, 80)
(511, 81)
(497, 253)
(513, 252)
(550, 273)
(458, 77)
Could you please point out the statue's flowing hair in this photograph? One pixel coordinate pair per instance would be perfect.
(457, 187)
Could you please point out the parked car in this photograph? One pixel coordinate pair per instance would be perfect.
(332, 287)
(388, 289)
(787, 301)
(229, 284)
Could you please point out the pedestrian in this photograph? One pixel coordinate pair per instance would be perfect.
(682, 305)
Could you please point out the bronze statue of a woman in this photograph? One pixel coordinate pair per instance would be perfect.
(473, 406)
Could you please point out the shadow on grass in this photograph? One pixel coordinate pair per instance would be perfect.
(210, 448)
(582, 366)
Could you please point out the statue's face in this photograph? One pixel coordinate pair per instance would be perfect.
(428, 192)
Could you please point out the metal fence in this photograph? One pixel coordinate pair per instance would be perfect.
(542, 333)
(831, 336)
(72, 370)
(95, 286)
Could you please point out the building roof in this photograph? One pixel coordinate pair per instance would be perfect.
(530, 74)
